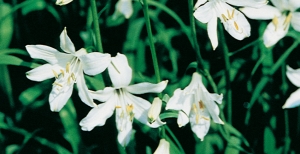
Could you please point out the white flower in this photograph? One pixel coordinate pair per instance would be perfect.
(233, 20)
(63, 2)
(163, 147)
(123, 7)
(282, 14)
(120, 98)
(196, 105)
(67, 68)
(294, 99)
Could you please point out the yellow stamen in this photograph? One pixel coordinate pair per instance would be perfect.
(287, 21)
(118, 107)
(62, 72)
(68, 67)
(55, 74)
(275, 22)
(57, 84)
(232, 14)
(201, 105)
(236, 25)
(73, 76)
(224, 17)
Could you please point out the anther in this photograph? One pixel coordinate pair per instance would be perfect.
(275, 22)
(201, 105)
(55, 74)
(68, 67)
(62, 72)
(57, 84)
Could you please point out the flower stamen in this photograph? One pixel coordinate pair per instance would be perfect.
(55, 74)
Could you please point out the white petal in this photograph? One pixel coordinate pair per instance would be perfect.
(250, 3)
(125, 8)
(272, 34)
(293, 75)
(48, 54)
(182, 119)
(98, 115)
(264, 13)
(293, 5)
(145, 87)
(156, 123)
(125, 134)
(212, 107)
(295, 21)
(293, 100)
(216, 97)
(163, 147)
(65, 42)
(204, 13)
(58, 99)
(238, 27)
(63, 2)
(95, 63)
(200, 129)
(103, 95)
(83, 91)
(140, 107)
(119, 71)
(212, 31)
(176, 101)
(43, 72)
(199, 2)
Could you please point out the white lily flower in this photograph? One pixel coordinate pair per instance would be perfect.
(196, 105)
(123, 7)
(233, 20)
(120, 98)
(294, 99)
(163, 147)
(63, 2)
(283, 14)
(67, 68)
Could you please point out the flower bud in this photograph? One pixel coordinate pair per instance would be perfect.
(163, 147)
(154, 110)
(63, 2)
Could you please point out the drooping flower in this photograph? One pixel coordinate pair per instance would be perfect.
(233, 20)
(163, 147)
(67, 68)
(63, 2)
(196, 105)
(283, 14)
(123, 7)
(120, 98)
(294, 99)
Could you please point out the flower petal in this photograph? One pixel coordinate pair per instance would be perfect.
(58, 98)
(264, 13)
(176, 101)
(204, 13)
(293, 5)
(48, 54)
(212, 31)
(212, 107)
(83, 91)
(237, 25)
(293, 100)
(95, 63)
(103, 95)
(201, 128)
(145, 87)
(295, 21)
(293, 75)
(274, 33)
(249, 3)
(65, 42)
(98, 115)
(157, 123)
(125, 134)
(119, 71)
(182, 119)
(124, 7)
(163, 147)
(63, 2)
(43, 72)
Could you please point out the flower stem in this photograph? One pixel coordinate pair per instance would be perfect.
(227, 73)
(150, 37)
(96, 26)
(175, 139)
(287, 137)
(200, 63)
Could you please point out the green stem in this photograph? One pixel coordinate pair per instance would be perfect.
(175, 139)
(287, 137)
(96, 26)
(200, 63)
(151, 43)
(227, 73)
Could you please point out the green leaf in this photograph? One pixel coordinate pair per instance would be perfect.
(6, 25)
(69, 120)
(172, 114)
(35, 5)
(234, 146)
(11, 149)
(30, 95)
(8, 51)
(13, 60)
(269, 141)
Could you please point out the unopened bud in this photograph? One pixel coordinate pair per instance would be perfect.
(154, 110)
